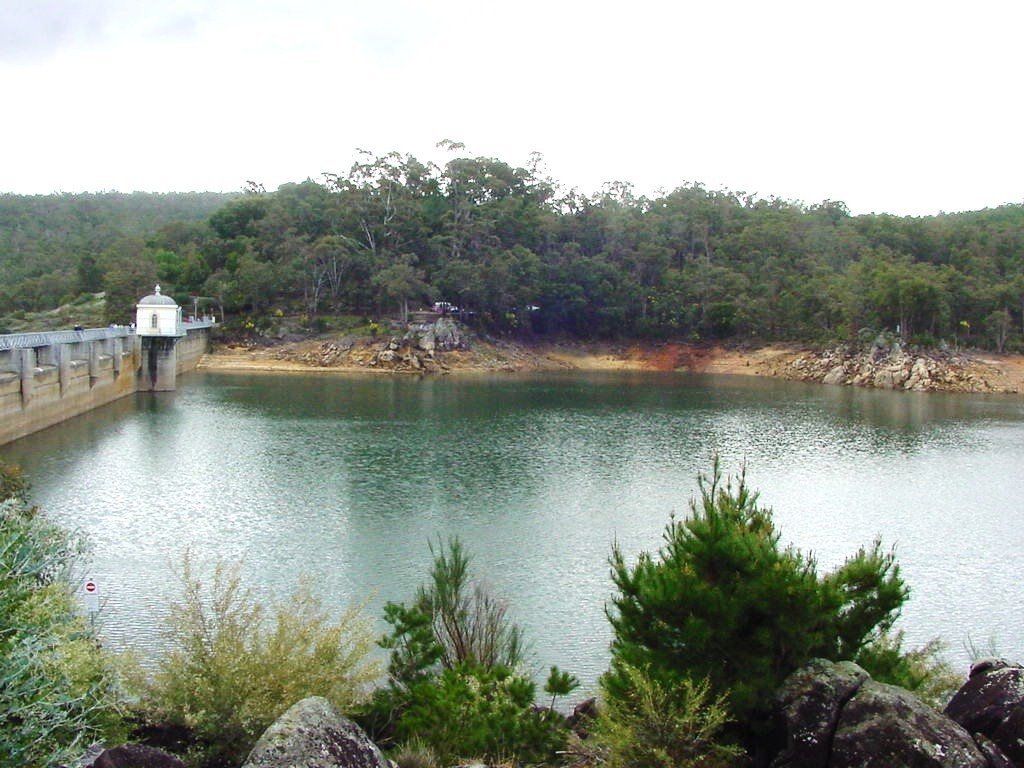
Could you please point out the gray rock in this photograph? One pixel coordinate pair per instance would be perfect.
(1009, 736)
(995, 756)
(835, 376)
(989, 703)
(313, 734)
(811, 701)
(890, 377)
(427, 340)
(447, 334)
(884, 379)
(989, 664)
(836, 716)
(136, 756)
(920, 377)
(920, 369)
(87, 758)
(883, 726)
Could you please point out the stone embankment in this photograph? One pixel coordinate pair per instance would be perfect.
(886, 366)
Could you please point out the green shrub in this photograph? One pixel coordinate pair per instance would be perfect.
(57, 689)
(453, 683)
(922, 670)
(471, 711)
(231, 672)
(453, 619)
(657, 726)
(723, 601)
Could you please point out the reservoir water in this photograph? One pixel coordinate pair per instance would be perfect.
(347, 479)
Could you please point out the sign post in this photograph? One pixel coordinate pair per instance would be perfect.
(91, 593)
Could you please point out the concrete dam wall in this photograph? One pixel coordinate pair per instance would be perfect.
(47, 378)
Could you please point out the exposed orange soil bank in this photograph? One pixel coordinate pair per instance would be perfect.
(979, 372)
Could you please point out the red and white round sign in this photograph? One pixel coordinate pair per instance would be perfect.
(90, 586)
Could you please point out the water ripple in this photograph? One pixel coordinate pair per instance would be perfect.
(347, 479)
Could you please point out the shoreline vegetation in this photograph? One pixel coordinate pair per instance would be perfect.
(729, 650)
(879, 366)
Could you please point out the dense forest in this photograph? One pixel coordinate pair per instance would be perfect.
(55, 247)
(519, 254)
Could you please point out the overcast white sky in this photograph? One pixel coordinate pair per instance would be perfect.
(900, 106)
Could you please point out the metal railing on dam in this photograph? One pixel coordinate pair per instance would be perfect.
(49, 338)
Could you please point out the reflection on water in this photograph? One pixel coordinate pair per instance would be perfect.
(347, 479)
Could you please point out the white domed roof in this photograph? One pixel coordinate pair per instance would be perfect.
(157, 298)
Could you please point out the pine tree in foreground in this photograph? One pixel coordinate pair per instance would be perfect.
(722, 601)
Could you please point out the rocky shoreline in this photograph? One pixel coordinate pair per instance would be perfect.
(828, 715)
(893, 367)
(446, 347)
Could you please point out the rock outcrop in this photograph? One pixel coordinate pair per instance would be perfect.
(991, 703)
(420, 349)
(888, 365)
(417, 350)
(836, 716)
(443, 335)
(313, 734)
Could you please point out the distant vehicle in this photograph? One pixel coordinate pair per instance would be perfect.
(445, 307)
(79, 328)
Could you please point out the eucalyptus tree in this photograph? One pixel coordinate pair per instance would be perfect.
(401, 282)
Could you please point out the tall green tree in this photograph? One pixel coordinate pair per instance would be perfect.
(402, 282)
(130, 274)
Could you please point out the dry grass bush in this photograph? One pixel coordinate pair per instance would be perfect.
(235, 667)
(658, 726)
(415, 754)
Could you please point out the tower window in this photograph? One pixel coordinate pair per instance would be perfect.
(154, 321)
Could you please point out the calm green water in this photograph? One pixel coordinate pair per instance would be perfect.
(347, 479)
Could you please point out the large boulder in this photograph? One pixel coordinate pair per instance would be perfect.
(837, 375)
(836, 716)
(135, 756)
(883, 726)
(313, 734)
(991, 703)
(447, 335)
(583, 716)
(810, 702)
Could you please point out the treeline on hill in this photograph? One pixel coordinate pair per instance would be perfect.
(506, 245)
(55, 247)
